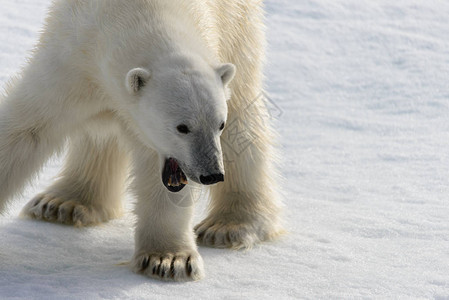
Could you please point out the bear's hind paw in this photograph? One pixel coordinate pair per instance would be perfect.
(227, 234)
(52, 208)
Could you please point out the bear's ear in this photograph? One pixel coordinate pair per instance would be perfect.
(226, 72)
(136, 79)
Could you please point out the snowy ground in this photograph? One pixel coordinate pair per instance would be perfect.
(363, 90)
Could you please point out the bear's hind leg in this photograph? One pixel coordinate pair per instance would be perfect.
(90, 186)
(36, 116)
(25, 145)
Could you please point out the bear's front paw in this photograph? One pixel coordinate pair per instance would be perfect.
(180, 266)
(227, 233)
(52, 208)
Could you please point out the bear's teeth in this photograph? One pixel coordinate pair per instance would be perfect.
(172, 181)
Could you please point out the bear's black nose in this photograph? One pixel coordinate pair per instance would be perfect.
(211, 179)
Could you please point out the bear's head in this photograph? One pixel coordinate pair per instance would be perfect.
(179, 106)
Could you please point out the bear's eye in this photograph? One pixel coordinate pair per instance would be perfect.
(222, 126)
(183, 129)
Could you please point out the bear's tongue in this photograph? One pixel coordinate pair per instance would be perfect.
(173, 177)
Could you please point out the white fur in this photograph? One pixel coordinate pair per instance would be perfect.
(116, 78)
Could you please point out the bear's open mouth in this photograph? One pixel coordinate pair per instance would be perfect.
(173, 177)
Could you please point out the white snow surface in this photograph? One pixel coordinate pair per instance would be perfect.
(362, 108)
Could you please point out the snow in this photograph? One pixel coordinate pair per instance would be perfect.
(363, 116)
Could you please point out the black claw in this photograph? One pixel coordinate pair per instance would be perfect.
(200, 236)
(189, 267)
(154, 270)
(145, 263)
(228, 238)
(162, 272)
(172, 267)
(44, 207)
(158, 271)
(74, 215)
(36, 202)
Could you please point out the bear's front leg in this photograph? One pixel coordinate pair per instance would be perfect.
(245, 209)
(165, 246)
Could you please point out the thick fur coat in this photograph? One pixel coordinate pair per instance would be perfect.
(141, 85)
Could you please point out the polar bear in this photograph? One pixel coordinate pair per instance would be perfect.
(145, 83)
